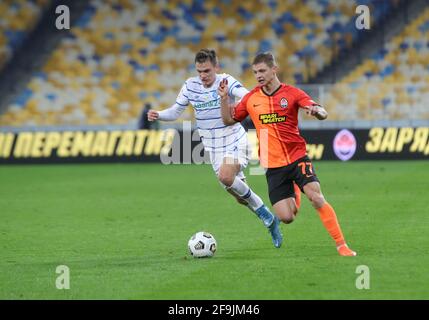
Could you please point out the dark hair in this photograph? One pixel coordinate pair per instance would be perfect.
(206, 54)
(265, 57)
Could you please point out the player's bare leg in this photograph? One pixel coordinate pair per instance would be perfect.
(286, 210)
(228, 176)
(297, 196)
(327, 215)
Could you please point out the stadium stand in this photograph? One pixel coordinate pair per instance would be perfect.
(124, 53)
(392, 84)
(17, 19)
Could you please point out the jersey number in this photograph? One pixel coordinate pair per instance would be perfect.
(306, 168)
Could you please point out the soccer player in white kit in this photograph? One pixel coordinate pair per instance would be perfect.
(227, 145)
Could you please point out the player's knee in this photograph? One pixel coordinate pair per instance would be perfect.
(287, 217)
(226, 178)
(294, 211)
(317, 200)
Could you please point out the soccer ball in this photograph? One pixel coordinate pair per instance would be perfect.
(202, 244)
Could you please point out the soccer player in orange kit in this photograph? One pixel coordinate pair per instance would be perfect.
(273, 107)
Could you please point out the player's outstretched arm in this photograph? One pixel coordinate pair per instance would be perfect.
(170, 114)
(317, 111)
(226, 109)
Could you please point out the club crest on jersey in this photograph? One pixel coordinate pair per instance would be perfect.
(283, 103)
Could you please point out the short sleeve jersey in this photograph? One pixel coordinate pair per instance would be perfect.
(275, 117)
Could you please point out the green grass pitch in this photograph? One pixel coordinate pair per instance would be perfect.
(122, 229)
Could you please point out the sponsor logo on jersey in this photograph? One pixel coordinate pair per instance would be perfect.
(267, 118)
(207, 105)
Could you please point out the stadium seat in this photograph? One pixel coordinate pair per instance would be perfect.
(395, 77)
(17, 19)
(124, 53)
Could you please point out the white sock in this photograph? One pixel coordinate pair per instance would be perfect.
(243, 191)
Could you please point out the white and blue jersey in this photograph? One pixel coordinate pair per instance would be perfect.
(219, 140)
(216, 136)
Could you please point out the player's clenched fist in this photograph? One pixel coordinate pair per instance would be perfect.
(152, 115)
(223, 88)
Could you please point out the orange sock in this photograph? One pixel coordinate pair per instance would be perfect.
(297, 195)
(329, 220)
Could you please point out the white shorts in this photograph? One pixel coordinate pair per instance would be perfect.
(239, 151)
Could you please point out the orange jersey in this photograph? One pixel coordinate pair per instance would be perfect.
(275, 118)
